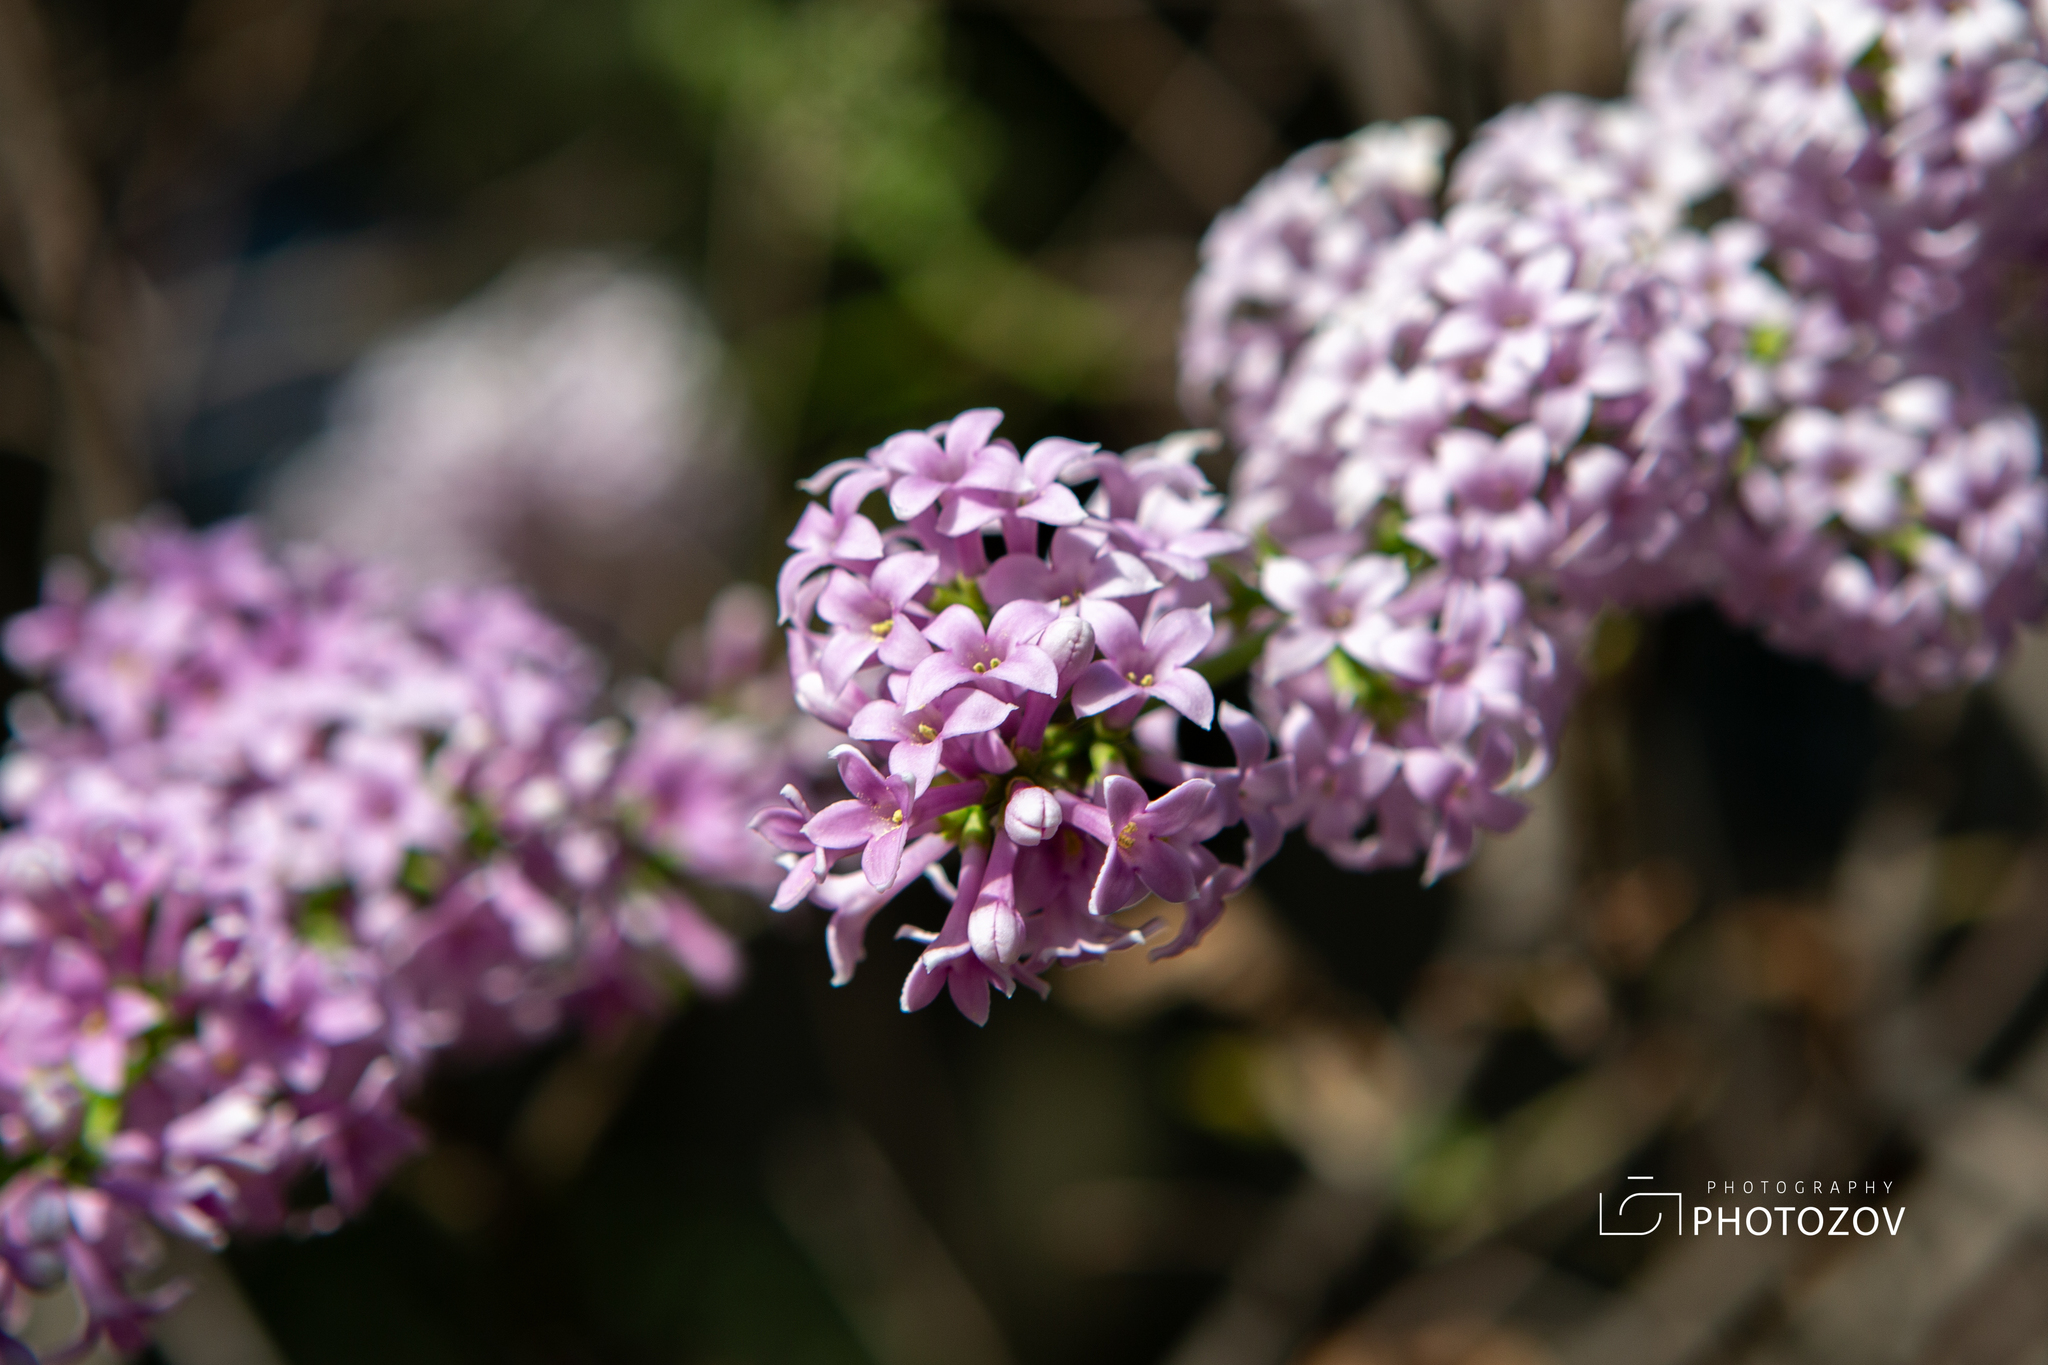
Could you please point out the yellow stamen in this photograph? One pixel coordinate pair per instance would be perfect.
(981, 668)
(926, 733)
(1127, 837)
(1145, 681)
(897, 818)
(881, 629)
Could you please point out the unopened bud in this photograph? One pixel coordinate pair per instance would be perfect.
(1032, 817)
(1070, 642)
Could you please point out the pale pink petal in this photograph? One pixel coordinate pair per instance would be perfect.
(1116, 631)
(1187, 692)
(1099, 688)
(1179, 636)
(969, 432)
(956, 628)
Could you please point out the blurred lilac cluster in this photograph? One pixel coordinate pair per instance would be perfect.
(1736, 338)
(1284, 259)
(277, 839)
(988, 656)
(1888, 162)
(568, 429)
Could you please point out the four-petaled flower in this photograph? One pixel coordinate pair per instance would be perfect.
(929, 467)
(872, 616)
(1348, 611)
(1140, 838)
(917, 736)
(999, 484)
(1151, 663)
(970, 653)
(1075, 570)
(876, 820)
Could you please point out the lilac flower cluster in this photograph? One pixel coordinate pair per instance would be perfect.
(1887, 514)
(1512, 415)
(276, 841)
(1891, 149)
(565, 422)
(1556, 395)
(1901, 538)
(1275, 266)
(1008, 662)
(1410, 702)
(1515, 392)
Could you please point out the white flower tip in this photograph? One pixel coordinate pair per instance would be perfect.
(1032, 816)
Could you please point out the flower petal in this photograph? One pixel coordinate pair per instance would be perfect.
(1099, 688)
(1176, 810)
(1187, 692)
(1123, 799)
(969, 432)
(843, 824)
(1116, 630)
(883, 856)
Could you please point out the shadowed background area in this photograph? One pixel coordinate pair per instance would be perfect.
(571, 291)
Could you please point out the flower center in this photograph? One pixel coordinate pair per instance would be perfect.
(897, 817)
(1340, 618)
(96, 1022)
(1132, 677)
(881, 629)
(926, 733)
(1127, 837)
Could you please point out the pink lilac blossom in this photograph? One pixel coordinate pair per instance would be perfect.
(1559, 395)
(1887, 513)
(1901, 539)
(1892, 149)
(1016, 642)
(275, 842)
(1528, 387)
(1413, 704)
(1508, 417)
(565, 429)
(1276, 265)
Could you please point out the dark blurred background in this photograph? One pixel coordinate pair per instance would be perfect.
(573, 290)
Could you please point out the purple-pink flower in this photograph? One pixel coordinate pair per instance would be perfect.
(992, 763)
(1137, 665)
(262, 867)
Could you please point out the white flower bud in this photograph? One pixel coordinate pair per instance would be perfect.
(1032, 817)
(1070, 642)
